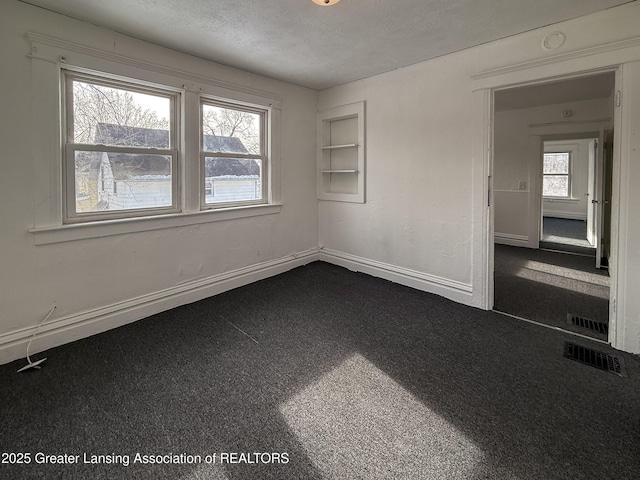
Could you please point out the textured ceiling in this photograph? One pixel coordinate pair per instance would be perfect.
(303, 43)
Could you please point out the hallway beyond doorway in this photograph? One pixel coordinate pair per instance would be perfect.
(566, 235)
(563, 230)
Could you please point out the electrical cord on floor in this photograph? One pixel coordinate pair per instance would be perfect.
(37, 363)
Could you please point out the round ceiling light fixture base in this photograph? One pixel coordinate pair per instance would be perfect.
(326, 3)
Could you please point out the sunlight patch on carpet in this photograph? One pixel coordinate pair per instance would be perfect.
(559, 280)
(565, 272)
(357, 421)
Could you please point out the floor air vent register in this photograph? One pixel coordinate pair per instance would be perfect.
(587, 323)
(594, 358)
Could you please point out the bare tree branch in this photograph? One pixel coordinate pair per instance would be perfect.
(94, 104)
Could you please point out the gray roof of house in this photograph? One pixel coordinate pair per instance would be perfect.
(214, 143)
(125, 165)
(217, 167)
(131, 165)
(110, 134)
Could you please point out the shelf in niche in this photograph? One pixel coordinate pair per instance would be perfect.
(341, 155)
(338, 147)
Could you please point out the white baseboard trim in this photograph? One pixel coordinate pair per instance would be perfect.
(451, 289)
(84, 324)
(511, 239)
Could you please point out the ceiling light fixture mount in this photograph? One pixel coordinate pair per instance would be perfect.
(326, 3)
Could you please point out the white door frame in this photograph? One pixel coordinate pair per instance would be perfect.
(485, 86)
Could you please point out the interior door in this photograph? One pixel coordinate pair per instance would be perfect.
(599, 198)
(591, 194)
(607, 195)
(595, 196)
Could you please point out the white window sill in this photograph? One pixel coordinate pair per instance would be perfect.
(106, 228)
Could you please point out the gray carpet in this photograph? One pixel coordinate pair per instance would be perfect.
(565, 231)
(545, 286)
(351, 376)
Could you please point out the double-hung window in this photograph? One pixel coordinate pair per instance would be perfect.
(556, 181)
(120, 149)
(232, 154)
(141, 146)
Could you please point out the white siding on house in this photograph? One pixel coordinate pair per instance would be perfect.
(141, 193)
(231, 188)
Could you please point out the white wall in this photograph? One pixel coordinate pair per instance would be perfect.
(416, 221)
(517, 150)
(424, 219)
(627, 271)
(422, 223)
(84, 278)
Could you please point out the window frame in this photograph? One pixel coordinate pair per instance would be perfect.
(569, 154)
(70, 147)
(263, 113)
(50, 57)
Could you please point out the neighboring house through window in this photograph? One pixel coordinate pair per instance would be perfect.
(119, 133)
(144, 145)
(232, 154)
(122, 158)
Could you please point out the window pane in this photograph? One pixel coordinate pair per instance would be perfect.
(225, 130)
(121, 181)
(232, 179)
(556, 163)
(115, 116)
(555, 186)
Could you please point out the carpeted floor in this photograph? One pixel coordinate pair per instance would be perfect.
(343, 375)
(565, 231)
(545, 286)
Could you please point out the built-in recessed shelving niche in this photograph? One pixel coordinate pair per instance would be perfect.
(341, 153)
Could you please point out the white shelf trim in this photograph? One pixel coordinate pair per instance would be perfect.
(349, 184)
(338, 147)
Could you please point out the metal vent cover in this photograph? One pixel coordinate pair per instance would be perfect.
(595, 358)
(587, 323)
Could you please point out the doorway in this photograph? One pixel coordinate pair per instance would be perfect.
(549, 203)
(572, 183)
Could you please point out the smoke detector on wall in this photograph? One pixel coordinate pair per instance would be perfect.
(567, 113)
